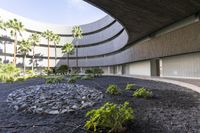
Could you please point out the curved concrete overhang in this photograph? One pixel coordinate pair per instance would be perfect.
(143, 18)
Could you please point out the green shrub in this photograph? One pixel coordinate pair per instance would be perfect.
(110, 116)
(112, 89)
(48, 71)
(63, 69)
(87, 77)
(53, 79)
(142, 92)
(94, 71)
(98, 71)
(129, 86)
(88, 71)
(30, 72)
(73, 78)
(8, 72)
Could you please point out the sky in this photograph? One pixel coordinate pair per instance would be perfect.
(66, 12)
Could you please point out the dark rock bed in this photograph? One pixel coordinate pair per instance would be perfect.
(172, 109)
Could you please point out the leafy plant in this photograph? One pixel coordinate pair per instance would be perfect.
(54, 79)
(62, 69)
(110, 116)
(112, 89)
(73, 78)
(129, 86)
(8, 72)
(142, 92)
(87, 77)
(94, 71)
(48, 71)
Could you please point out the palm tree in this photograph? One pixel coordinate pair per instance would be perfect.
(24, 48)
(15, 27)
(49, 36)
(77, 34)
(3, 27)
(68, 48)
(34, 40)
(56, 40)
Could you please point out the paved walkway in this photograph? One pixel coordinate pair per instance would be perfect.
(193, 84)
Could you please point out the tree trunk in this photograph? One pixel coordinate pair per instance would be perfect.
(68, 59)
(4, 51)
(33, 58)
(15, 47)
(24, 64)
(77, 55)
(55, 55)
(48, 55)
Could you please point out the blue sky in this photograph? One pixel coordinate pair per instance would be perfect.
(67, 12)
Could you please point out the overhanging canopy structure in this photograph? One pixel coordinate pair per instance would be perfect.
(143, 18)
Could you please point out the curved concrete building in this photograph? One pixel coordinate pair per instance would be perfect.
(142, 38)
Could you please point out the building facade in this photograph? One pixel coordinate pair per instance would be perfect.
(173, 51)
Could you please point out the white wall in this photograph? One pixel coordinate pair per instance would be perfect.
(140, 68)
(187, 65)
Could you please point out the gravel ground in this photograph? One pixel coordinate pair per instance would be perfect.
(172, 109)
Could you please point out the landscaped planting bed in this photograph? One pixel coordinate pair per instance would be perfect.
(170, 108)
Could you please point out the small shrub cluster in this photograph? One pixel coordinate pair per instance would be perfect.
(142, 92)
(54, 79)
(94, 71)
(73, 78)
(129, 86)
(110, 117)
(8, 72)
(63, 69)
(48, 71)
(87, 77)
(112, 89)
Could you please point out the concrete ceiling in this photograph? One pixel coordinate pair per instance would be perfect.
(144, 17)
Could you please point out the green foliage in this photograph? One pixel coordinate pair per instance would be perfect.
(77, 32)
(54, 79)
(8, 72)
(94, 71)
(129, 86)
(63, 69)
(48, 71)
(87, 77)
(68, 48)
(110, 116)
(73, 78)
(112, 89)
(142, 92)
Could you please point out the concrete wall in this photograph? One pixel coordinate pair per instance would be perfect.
(182, 66)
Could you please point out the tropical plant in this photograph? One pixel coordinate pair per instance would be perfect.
(2, 25)
(112, 89)
(68, 48)
(142, 92)
(56, 40)
(94, 71)
(129, 86)
(34, 40)
(48, 35)
(73, 78)
(87, 77)
(24, 48)
(8, 72)
(110, 116)
(54, 79)
(62, 69)
(77, 34)
(15, 28)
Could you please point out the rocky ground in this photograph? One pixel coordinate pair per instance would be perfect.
(172, 109)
